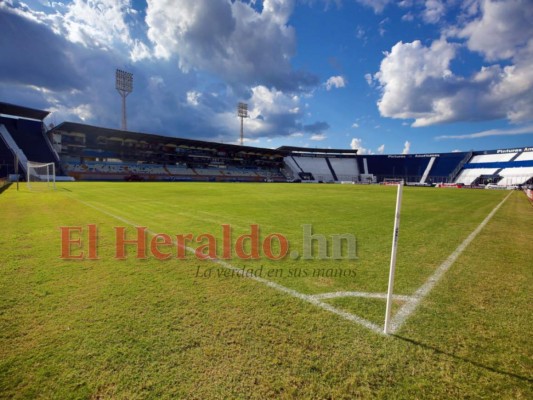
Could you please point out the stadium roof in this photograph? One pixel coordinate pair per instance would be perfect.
(24, 112)
(292, 149)
(99, 131)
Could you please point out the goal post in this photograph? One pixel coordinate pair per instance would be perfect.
(392, 181)
(41, 176)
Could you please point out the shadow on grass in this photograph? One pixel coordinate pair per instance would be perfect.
(472, 362)
(4, 187)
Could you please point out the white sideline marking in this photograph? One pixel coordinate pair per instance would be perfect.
(401, 316)
(307, 298)
(408, 308)
(334, 295)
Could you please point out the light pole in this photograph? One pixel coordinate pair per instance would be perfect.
(242, 112)
(124, 86)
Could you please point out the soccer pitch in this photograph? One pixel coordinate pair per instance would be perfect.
(292, 307)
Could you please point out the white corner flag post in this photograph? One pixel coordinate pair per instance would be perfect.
(395, 235)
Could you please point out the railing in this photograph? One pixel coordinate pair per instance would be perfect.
(10, 143)
(460, 166)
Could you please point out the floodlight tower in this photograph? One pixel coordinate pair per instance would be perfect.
(242, 112)
(124, 86)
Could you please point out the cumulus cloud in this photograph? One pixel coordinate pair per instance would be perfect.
(335, 82)
(66, 59)
(96, 23)
(357, 144)
(271, 113)
(229, 39)
(503, 30)
(417, 81)
(433, 11)
(103, 24)
(406, 147)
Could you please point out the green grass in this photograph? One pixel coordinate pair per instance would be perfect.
(136, 329)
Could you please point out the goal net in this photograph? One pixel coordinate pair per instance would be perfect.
(41, 176)
(392, 181)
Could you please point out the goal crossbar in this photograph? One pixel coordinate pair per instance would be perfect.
(41, 175)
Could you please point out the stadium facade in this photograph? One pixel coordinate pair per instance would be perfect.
(86, 152)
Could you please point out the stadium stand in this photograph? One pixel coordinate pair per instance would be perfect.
(23, 135)
(488, 158)
(317, 166)
(469, 176)
(93, 153)
(6, 159)
(445, 165)
(410, 168)
(515, 176)
(525, 156)
(346, 169)
(503, 167)
(322, 165)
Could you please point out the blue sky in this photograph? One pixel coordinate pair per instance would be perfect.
(383, 76)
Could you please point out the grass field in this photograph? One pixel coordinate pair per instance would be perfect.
(197, 329)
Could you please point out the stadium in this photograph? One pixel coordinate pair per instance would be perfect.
(135, 266)
(87, 153)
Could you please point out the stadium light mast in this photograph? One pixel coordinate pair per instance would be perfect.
(124, 86)
(242, 112)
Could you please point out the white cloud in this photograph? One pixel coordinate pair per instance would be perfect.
(229, 39)
(369, 80)
(93, 24)
(377, 5)
(524, 130)
(406, 147)
(504, 29)
(405, 3)
(265, 101)
(355, 125)
(335, 82)
(357, 144)
(434, 11)
(271, 113)
(360, 33)
(97, 23)
(318, 137)
(382, 24)
(411, 76)
(193, 97)
(408, 17)
(417, 83)
(139, 51)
